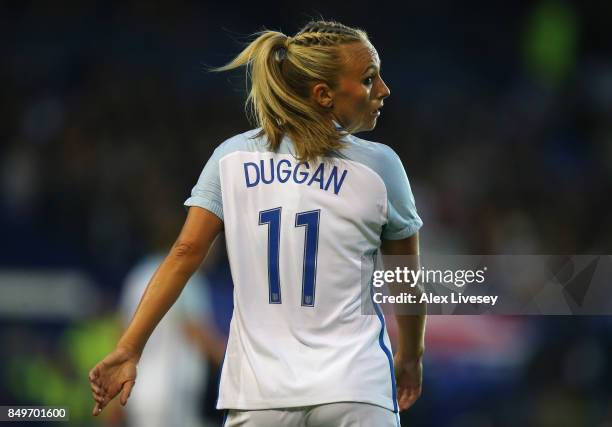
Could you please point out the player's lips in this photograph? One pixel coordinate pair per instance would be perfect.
(377, 111)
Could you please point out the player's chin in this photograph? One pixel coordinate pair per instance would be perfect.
(372, 123)
(366, 125)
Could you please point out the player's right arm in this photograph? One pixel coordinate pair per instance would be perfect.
(408, 359)
(400, 237)
(117, 372)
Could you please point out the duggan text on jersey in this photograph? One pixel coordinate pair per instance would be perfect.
(325, 176)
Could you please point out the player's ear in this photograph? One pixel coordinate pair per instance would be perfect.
(322, 95)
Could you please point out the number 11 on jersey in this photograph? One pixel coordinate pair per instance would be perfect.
(309, 220)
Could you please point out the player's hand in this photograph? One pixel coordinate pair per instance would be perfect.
(409, 380)
(114, 374)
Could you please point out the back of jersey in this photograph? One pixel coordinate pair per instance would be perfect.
(296, 236)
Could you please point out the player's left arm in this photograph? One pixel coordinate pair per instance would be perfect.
(411, 331)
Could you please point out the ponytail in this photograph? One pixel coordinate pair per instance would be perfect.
(282, 70)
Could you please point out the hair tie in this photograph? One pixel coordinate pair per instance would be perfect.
(281, 54)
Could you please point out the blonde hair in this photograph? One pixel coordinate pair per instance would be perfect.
(282, 71)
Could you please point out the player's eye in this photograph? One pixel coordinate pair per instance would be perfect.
(368, 81)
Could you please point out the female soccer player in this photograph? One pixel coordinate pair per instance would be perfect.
(303, 204)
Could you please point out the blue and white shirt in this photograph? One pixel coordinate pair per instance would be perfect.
(296, 236)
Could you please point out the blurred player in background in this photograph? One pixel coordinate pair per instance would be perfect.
(303, 203)
(173, 367)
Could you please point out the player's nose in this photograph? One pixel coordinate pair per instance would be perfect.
(384, 90)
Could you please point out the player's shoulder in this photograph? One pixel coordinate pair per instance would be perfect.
(251, 140)
(376, 155)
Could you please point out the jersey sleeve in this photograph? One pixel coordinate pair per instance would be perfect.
(402, 218)
(207, 191)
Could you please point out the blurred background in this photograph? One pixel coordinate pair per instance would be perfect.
(500, 111)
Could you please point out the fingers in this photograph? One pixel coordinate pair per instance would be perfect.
(96, 410)
(94, 373)
(98, 398)
(98, 393)
(96, 388)
(407, 397)
(101, 402)
(125, 393)
(109, 377)
(95, 376)
(98, 378)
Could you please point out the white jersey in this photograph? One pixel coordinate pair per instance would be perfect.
(296, 234)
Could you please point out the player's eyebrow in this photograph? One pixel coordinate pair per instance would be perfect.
(372, 65)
